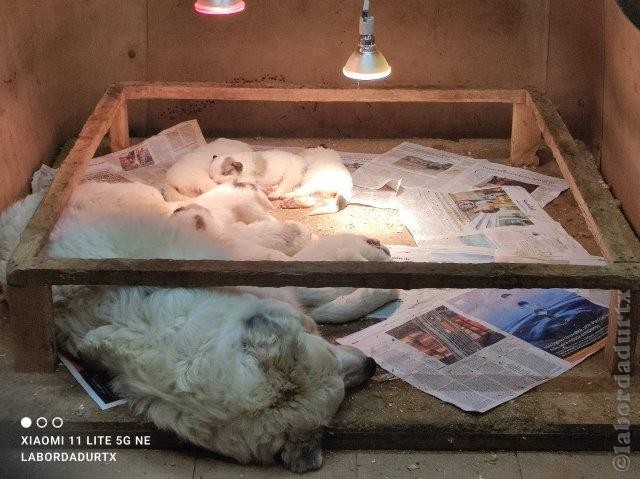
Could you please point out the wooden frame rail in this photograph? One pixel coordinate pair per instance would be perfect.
(534, 120)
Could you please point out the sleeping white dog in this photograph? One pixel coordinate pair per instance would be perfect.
(239, 371)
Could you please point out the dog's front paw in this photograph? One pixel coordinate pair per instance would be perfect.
(302, 456)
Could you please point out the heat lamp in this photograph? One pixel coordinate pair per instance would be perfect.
(219, 7)
(367, 62)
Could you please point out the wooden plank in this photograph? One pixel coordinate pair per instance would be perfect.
(525, 136)
(624, 324)
(213, 91)
(601, 211)
(197, 273)
(31, 322)
(119, 131)
(67, 177)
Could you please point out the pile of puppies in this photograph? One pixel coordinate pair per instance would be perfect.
(241, 371)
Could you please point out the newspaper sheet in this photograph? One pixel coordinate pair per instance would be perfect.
(96, 384)
(541, 187)
(412, 166)
(428, 214)
(384, 197)
(146, 162)
(441, 254)
(533, 244)
(149, 160)
(482, 348)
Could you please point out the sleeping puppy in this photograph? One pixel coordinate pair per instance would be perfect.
(316, 179)
(235, 370)
(189, 176)
(275, 172)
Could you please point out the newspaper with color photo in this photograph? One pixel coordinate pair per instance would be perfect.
(413, 166)
(146, 162)
(96, 384)
(428, 214)
(542, 188)
(480, 348)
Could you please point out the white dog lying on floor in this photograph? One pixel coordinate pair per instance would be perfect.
(235, 370)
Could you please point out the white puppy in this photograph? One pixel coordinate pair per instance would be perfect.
(189, 176)
(316, 179)
(275, 172)
(236, 370)
(327, 184)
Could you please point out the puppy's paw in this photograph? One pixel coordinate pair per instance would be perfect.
(374, 250)
(299, 202)
(295, 237)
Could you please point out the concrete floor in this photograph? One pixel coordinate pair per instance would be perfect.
(575, 411)
(340, 465)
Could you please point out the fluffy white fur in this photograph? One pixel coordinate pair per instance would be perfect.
(275, 172)
(235, 370)
(189, 177)
(316, 179)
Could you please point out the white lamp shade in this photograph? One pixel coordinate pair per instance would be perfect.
(219, 7)
(366, 65)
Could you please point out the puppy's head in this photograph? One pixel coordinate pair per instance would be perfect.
(225, 169)
(298, 382)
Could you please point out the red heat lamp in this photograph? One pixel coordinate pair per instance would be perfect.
(219, 7)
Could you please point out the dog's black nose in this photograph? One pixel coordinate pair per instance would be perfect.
(370, 367)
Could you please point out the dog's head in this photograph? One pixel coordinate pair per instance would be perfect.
(226, 169)
(298, 381)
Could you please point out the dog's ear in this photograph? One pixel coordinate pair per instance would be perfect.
(226, 167)
(237, 166)
(261, 324)
(303, 453)
(271, 342)
(263, 337)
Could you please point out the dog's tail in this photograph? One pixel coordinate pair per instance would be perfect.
(12, 222)
(353, 306)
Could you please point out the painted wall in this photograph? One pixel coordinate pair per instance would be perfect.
(55, 63)
(621, 135)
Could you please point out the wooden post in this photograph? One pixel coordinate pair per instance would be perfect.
(119, 130)
(624, 319)
(525, 136)
(31, 321)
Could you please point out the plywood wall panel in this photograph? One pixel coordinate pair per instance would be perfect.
(469, 43)
(621, 134)
(576, 66)
(56, 58)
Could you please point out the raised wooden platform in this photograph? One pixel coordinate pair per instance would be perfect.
(535, 120)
